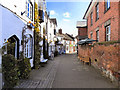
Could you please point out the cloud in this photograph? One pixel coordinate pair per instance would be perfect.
(66, 20)
(52, 12)
(66, 14)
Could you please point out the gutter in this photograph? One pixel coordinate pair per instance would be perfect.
(87, 9)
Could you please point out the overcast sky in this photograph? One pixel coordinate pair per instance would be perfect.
(67, 14)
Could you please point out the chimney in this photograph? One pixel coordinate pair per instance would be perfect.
(60, 31)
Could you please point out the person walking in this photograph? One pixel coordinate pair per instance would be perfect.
(52, 55)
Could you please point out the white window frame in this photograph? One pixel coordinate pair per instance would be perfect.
(28, 47)
(97, 35)
(108, 32)
(29, 9)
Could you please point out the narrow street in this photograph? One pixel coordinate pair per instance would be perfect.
(72, 73)
(66, 71)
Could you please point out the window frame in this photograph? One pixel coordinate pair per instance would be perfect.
(28, 46)
(97, 11)
(91, 18)
(107, 5)
(108, 33)
(97, 35)
(91, 35)
(29, 9)
(54, 31)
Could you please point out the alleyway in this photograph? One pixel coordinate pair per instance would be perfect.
(65, 71)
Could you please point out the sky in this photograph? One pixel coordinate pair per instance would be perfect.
(67, 14)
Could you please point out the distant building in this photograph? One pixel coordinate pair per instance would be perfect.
(60, 45)
(82, 30)
(52, 24)
(70, 44)
(65, 43)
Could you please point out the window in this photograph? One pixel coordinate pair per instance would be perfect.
(28, 46)
(91, 16)
(29, 10)
(97, 11)
(13, 48)
(107, 5)
(107, 33)
(97, 35)
(50, 24)
(54, 31)
(91, 35)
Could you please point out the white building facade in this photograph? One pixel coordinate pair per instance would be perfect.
(17, 21)
(52, 24)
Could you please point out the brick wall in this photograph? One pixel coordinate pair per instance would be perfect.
(113, 14)
(82, 31)
(104, 57)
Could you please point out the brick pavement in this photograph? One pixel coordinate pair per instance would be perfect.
(65, 71)
(42, 78)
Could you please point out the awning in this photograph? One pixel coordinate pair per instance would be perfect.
(85, 41)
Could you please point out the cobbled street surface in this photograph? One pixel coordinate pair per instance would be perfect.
(66, 71)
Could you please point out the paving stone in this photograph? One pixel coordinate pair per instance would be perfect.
(42, 78)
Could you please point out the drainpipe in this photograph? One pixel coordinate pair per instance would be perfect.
(47, 38)
(119, 40)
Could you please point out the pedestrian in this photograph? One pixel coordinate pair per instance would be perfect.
(52, 55)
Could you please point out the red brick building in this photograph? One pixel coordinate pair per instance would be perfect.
(103, 20)
(82, 30)
(103, 25)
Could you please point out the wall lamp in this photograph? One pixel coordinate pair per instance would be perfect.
(23, 12)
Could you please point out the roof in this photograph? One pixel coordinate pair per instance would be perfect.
(67, 37)
(81, 24)
(54, 20)
(70, 36)
(88, 9)
(60, 35)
